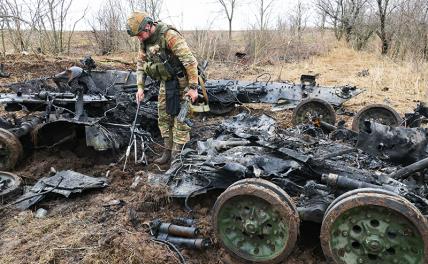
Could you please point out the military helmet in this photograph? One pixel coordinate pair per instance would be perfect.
(137, 21)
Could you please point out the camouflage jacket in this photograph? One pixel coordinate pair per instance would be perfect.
(165, 40)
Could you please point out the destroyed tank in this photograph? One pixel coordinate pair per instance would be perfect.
(99, 106)
(371, 205)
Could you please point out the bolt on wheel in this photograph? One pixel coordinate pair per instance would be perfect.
(374, 228)
(255, 222)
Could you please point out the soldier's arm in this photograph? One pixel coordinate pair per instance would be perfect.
(177, 44)
(141, 59)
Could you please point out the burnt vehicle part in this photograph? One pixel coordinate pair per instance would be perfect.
(180, 236)
(10, 186)
(378, 113)
(312, 170)
(224, 94)
(84, 96)
(397, 144)
(10, 141)
(313, 110)
(72, 104)
(372, 226)
(418, 118)
(256, 221)
(63, 182)
(11, 150)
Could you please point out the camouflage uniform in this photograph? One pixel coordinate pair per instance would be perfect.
(168, 39)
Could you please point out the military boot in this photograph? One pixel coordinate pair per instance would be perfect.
(176, 150)
(166, 155)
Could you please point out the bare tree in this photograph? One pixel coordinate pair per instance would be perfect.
(57, 14)
(70, 35)
(153, 7)
(364, 28)
(229, 9)
(410, 25)
(343, 15)
(107, 27)
(385, 8)
(13, 18)
(264, 11)
(298, 19)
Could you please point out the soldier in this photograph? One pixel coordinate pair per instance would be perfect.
(165, 56)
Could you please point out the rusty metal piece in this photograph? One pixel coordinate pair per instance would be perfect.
(176, 230)
(183, 221)
(258, 214)
(270, 185)
(11, 150)
(10, 186)
(378, 221)
(27, 126)
(378, 113)
(405, 172)
(313, 109)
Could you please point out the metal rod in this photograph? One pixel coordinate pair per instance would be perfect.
(131, 139)
(405, 172)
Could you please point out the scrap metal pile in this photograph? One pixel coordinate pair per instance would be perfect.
(372, 210)
(367, 187)
(99, 105)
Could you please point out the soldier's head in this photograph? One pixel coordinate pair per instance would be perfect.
(140, 25)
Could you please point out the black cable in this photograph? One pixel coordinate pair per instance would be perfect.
(173, 247)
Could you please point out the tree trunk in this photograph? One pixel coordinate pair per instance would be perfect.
(3, 44)
(230, 29)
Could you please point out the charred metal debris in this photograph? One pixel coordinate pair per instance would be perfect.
(99, 106)
(182, 232)
(367, 187)
(63, 182)
(369, 191)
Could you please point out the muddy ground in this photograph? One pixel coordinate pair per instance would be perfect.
(84, 229)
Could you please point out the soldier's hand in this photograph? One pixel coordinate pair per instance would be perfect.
(193, 94)
(139, 95)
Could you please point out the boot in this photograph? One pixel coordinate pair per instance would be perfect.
(176, 150)
(166, 155)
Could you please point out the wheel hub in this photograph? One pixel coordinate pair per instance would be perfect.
(251, 227)
(368, 228)
(374, 244)
(313, 111)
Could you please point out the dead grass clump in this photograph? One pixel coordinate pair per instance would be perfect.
(151, 198)
(128, 247)
(211, 45)
(271, 46)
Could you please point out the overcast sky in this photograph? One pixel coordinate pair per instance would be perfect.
(200, 14)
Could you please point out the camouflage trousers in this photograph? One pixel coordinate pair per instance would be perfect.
(169, 126)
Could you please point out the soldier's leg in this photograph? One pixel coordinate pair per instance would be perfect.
(165, 123)
(181, 131)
